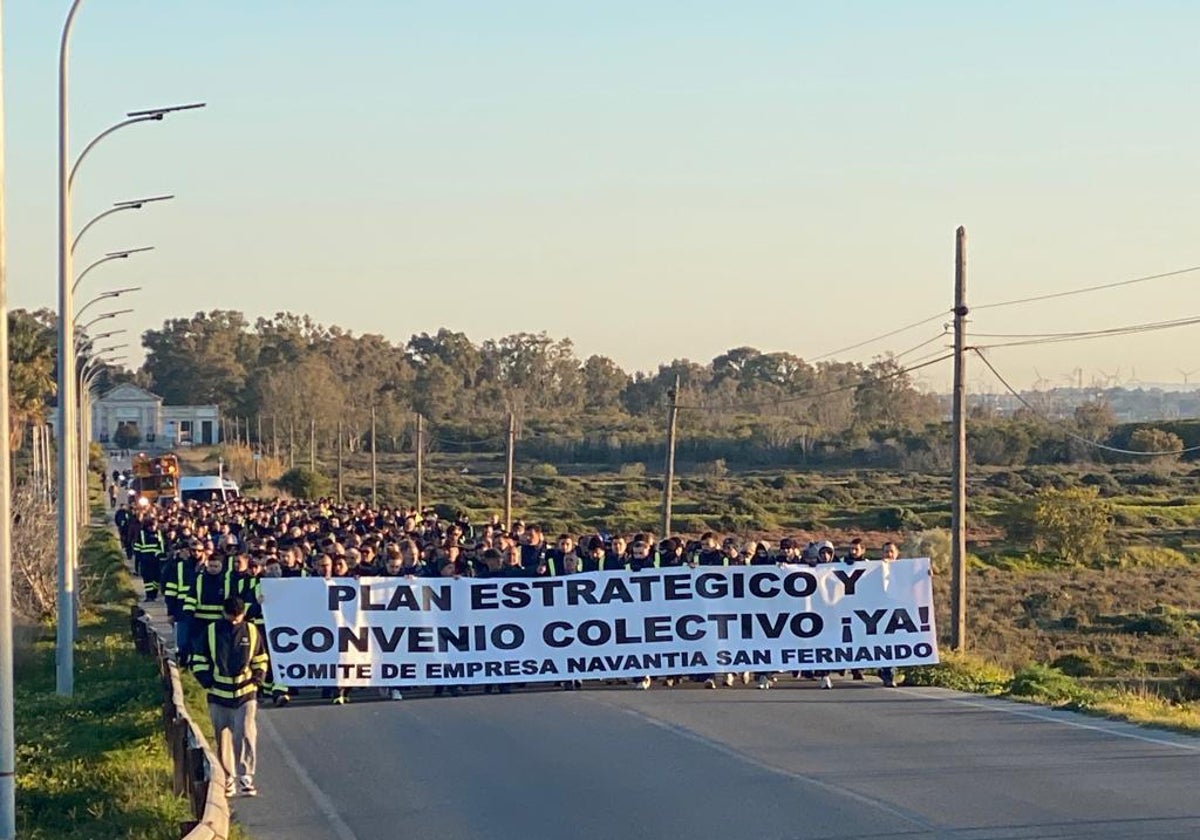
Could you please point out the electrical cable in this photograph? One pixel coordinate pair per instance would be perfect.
(1086, 289)
(1070, 434)
(945, 331)
(1058, 338)
(896, 331)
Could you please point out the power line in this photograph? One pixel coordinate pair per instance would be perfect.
(897, 331)
(1086, 289)
(1068, 433)
(820, 395)
(1029, 339)
(928, 341)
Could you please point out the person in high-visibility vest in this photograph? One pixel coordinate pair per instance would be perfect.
(230, 661)
(179, 579)
(270, 688)
(149, 549)
(203, 602)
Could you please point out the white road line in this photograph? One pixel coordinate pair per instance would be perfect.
(324, 803)
(1119, 729)
(900, 813)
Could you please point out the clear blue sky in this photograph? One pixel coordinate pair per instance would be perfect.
(652, 179)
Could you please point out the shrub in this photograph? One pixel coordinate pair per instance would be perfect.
(900, 519)
(1153, 557)
(836, 496)
(127, 436)
(634, 470)
(1151, 439)
(934, 544)
(785, 482)
(1042, 682)
(303, 483)
(543, 471)
(1072, 523)
(1162, 621)
(961, 673)
(717, 469)
(1079, 665)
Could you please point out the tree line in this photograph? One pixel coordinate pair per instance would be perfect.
(744, 407)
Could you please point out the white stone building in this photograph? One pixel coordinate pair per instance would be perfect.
(160, 426)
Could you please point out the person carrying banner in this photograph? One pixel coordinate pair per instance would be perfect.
(230, 662)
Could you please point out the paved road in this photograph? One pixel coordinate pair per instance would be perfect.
(795, 762)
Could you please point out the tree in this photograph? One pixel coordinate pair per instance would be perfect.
(31, 376)
(603, 384)
(200, 360)
(1152, 439)
(302, 483)
(127, 435)
(1072, 523)
(1094, 420)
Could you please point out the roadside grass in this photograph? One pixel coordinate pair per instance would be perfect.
(1048, 686)
(94, 766)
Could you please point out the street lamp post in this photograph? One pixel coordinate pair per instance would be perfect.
(64, 672)
(8, 747)
(68, 542)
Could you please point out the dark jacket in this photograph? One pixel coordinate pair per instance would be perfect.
(231, 662)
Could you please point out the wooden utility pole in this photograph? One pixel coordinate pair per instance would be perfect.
(291, 444)
(374, 474)
(339, 462)
(508, 470)
(312, 445)
(420, 465)
(274, 438)
(259, 442)
(669, 480)
(958, 512)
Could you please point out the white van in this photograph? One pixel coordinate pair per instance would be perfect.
(206, 488)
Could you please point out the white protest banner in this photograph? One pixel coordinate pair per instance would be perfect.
(396, 632)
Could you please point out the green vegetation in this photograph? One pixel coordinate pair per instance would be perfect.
(1053, 686)
(303, 483)
(94, 766)
(1071, 523)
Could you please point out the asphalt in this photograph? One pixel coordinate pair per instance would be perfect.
(860, 761)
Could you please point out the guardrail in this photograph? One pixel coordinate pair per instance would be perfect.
(197, 773)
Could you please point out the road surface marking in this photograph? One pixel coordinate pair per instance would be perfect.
(1115, 728)
(726, 750)
(324, 803)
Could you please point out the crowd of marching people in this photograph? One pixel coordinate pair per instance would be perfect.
(197, 556)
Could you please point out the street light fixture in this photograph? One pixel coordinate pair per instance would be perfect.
(90, 340)
(120, 206)
(105, 296)
(105, 316)
(109, 257)
(133, 117)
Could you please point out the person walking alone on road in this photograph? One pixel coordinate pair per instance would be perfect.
(231, 663)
